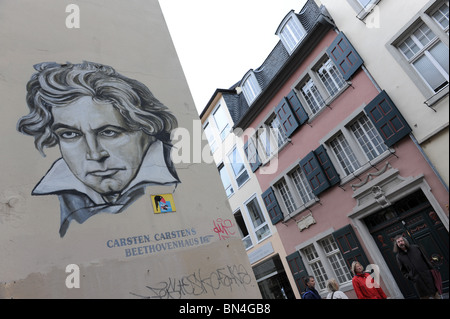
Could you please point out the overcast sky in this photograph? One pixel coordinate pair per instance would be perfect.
(218, 41)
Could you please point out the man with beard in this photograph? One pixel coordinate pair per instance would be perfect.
(415, 267)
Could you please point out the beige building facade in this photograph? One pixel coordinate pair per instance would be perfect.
(108, 212)
(405, 47)
(259, 236)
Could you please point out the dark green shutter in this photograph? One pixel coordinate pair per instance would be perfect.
(350, 247)
(344, 56)
(387, 119)
(271, 203)
(286, 117)
(252, 155)
(298, 270)
(314, 173)
(327, 165)
(297, 107)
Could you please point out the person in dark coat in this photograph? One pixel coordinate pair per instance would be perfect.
(311, 292)
(415, 267)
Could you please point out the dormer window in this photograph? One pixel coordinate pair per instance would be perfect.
(250, 87)
(291, 32)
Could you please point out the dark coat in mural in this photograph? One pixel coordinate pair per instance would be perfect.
(113, 135)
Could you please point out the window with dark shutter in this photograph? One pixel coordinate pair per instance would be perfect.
(286, 117)
(298, 270)
(327, 166)
(297, 107)
(314, 173)
(344, 56)
(275, 213)
(387, 119)
(252, 155)
(350, 247)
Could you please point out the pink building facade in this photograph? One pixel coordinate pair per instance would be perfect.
(339, 168)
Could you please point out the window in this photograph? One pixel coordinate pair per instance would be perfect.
(331, 77)
(344, 154)
(368, 138)
(221, 119)
(260, 226)
(312, 96)
(325, 261)
(291, 32)
(428, 55)
(294, 191)
(302, 185)
(270, 138)
(246, 239)
(251, 88)
(210, 137)
(421, 49)
(239, 170)
(441, 16)
(287, 196)
(335, 259)
(226, 180)
(355, 144)
(320, 85)
(363, 7)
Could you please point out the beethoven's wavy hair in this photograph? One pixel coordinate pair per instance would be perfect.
(60, 84)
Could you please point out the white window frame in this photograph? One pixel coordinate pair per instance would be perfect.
(424, 51)
(269, 139)
(238, 175)
(286, 195)
(445, 4)
(291, 32)
(229, 188)
(331, 78)
(295, 197)
(363, 9)
(423, 16)
(251, 87)
(246, 240)
(323, 257)
(264, 224)
(344, 129)
(223, 131)
(209, 133)
(313, 93)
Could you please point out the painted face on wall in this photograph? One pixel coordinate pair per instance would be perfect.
(98, 146)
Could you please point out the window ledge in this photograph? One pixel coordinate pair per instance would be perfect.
(301, 209)
(365, 167)
(437, 97)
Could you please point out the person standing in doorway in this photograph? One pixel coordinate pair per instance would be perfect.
(415, 267)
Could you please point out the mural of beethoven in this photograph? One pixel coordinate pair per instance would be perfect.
(113, 135)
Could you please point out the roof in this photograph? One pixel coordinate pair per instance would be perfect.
(237, 105)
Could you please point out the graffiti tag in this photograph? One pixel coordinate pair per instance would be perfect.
(198, 283)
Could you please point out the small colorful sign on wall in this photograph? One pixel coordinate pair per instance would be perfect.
(163, 203)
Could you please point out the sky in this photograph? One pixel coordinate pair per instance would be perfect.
(218, 41)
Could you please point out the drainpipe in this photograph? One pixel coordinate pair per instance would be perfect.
(428, 161)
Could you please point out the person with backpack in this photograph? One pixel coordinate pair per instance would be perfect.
(310, 292)
(335, 293)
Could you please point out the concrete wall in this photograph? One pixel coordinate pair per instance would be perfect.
(135, 253)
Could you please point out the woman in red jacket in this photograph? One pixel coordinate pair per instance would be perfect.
(364, 285)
